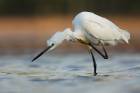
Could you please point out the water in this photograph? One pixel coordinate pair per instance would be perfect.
(71, 73)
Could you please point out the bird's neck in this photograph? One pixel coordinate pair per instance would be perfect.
(69, 34)
(75, 36)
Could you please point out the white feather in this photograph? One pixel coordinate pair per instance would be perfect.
(96, 28)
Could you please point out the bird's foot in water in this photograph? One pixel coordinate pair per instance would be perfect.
(94, 74)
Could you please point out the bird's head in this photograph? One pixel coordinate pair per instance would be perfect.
(59, 37)
(54, 41)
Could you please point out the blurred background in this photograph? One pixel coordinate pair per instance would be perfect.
(25, 25)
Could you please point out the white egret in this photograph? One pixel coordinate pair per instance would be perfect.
(91, 30)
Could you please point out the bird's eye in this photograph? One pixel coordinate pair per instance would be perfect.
(52, 44)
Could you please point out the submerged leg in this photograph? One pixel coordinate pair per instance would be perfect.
(105, 55)
(94, 62)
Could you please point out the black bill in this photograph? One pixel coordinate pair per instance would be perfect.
(45, 50)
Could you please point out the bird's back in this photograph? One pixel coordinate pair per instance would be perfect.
(97, 28)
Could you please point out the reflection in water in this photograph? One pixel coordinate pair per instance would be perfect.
(53, 74)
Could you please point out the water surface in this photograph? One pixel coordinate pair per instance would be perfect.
(70, 73)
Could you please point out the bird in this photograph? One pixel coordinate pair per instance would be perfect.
(91, 30)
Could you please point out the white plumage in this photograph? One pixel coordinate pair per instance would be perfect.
(95, 28)
(91, 30)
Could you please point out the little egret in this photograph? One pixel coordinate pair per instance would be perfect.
(91, 30)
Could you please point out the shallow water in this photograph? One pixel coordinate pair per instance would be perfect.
(70, 73)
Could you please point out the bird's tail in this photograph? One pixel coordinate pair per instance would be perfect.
(125, 36)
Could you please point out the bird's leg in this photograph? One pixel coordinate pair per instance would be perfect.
(105, 55)
(94, 62)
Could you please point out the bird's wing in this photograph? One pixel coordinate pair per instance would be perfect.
(100, 29)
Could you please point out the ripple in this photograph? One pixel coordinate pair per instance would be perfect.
(73, 68)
